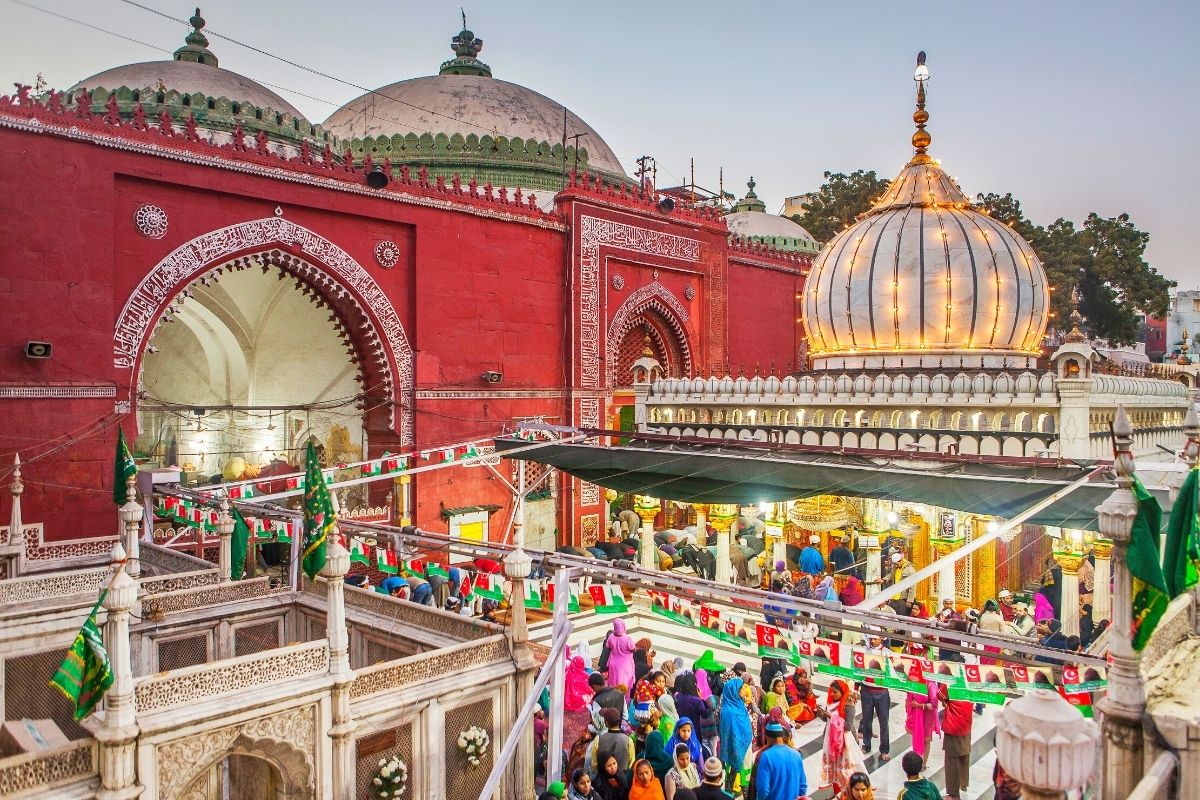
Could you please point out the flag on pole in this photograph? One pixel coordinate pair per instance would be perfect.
(771, 642)
(385, 561)
(358, 551)
(124, 470)
(239, 545)
(607, 598)
(319, 518)
(533, 594)
(85, 674)
(487, 586)
(1181, 561)
(572, 597)
(1150, 596)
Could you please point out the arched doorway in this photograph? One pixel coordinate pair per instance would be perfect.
(247, 366)
(651, 318)
(253, 772)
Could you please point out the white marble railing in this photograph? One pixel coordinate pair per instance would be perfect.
(41, 771)
(191, 685)
(425, 667)
(162, 584)
(31, 588)
(159, 606)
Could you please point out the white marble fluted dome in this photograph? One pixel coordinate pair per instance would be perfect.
(925, 279)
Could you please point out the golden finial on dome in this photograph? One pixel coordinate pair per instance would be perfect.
(921, 138)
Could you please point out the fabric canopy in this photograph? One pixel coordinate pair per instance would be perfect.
(723, 473)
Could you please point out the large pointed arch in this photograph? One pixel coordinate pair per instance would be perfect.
(303, 253)
(653, 299)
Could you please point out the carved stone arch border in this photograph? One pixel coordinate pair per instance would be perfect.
(287, 740)
(652, 297)
(319, 262)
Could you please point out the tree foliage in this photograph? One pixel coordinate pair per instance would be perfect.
(1102, 261)
(839, 202)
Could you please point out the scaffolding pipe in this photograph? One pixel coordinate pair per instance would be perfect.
(876, 600)
(557, 648)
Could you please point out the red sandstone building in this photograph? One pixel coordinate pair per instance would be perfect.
(225, 280)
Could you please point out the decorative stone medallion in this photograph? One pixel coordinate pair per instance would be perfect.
(689, 292)
(387, 254)
(618, 282)
(151, 221)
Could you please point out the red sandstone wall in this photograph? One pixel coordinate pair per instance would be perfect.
(763, 319)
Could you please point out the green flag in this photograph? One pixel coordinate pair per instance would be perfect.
(85, 674)
(124, 468)
(237, 548)
(1149, 587)
(318, 516)
(1181, 561)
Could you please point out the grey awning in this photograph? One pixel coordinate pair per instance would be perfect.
(724, 473)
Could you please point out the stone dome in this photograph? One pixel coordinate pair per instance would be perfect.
(464, 102)
(750, 220)
(194, 70)
(923, 279)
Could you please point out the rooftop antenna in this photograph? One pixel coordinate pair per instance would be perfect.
(693, 185)
(721, 188)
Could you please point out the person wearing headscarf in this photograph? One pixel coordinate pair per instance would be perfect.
(802, 700)
(584, 650)
(685, 734)
(669, 668)
(1043, 609)
(645, 784)
(1087, 626)
(668, 714)
(781, 573)
(580, 787)
(646, 693)
(577, 694)
(693, 708)
(853, 592)
(611, 741)
(620, 656)
(921, 712)
(991, 621)
(1051, 635)
(803, 588)
(840, 754)
(776, 695)
(709, 674)
(774, 716)
(858, 788)
(683, 774)
(825, 590)
(656, 753)
(611, 782)
(736, 730)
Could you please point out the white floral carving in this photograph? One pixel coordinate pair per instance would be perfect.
(387, 254)
(41, 769)
(288, 739)
(689, 292)
(151, 221)
(594, 233)
(618, 282)
(62, 584)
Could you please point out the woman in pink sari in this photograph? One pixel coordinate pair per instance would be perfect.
(841, 756)
(577, 697)
(620, 657)
(921, 717)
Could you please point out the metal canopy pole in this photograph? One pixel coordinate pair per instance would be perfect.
(562, 628)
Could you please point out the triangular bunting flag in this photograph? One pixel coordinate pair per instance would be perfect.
(433, 568)
(487, 586)
(385, 561)
(358, 552)
(533, 594)
(372, 468)
(243, 492)
(572, 601)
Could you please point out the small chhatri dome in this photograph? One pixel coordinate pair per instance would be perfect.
(195, 46)
(466, 47)
(750, 220)
(924, 279)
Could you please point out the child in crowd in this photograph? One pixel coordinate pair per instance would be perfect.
(916, 787)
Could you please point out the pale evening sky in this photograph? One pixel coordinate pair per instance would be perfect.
(1071, 106)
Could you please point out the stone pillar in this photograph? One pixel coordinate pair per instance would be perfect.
(723, 517)
(647, 509)
(1069, 563)
(225, 531)
(405, 500)
(516, 568)
(1125, 702)
(945, 579)
(12, 549)
(701, 523)
(1101, 588)
(118, 730)
(131, 516)
(337, 564)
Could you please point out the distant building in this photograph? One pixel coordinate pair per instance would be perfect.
(795, 205)
(1154, 335)
(1183, 322)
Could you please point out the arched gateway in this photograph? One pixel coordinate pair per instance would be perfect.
(325, 271)
(651, 313)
